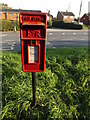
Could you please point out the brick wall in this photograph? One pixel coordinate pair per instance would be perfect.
(12, 16)
(2, 15)
(85, 19)
(60, 17)
(9, 16)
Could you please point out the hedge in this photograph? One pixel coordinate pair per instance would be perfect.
(61, 24)
(9, 25)
(49, 24)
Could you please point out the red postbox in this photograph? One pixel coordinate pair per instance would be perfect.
(33, 41)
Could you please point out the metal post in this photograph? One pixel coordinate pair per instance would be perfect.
(34, 88)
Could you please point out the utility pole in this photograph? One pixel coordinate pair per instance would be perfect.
(80, 11)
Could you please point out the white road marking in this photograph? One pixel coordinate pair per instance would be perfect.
(12, 45)
(63, 33)
(48, 43)
(50, 33)
(3, 35)
(10, 40)
(11, 48)
(74, 33)
(85, 33)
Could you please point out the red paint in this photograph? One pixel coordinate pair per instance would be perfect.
(33, 41)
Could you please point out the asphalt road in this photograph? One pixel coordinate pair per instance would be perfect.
(55, 38)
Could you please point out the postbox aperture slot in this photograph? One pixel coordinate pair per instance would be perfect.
(26, 33)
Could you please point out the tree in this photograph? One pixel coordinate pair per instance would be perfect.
(48, 12)
(5, 6)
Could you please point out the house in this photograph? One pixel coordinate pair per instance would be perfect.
(65, 16)
(85, 19)
(12, 14)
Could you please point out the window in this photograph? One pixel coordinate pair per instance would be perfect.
(65, 17)
(10, 14)
(71, 17)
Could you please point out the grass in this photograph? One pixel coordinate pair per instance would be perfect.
(62, 90)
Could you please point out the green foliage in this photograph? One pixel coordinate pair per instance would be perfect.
(86, 27)
(61, 24)
(62, 90)
(49, 24)
(9, 25)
